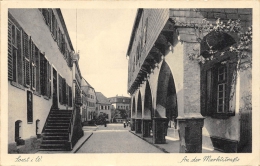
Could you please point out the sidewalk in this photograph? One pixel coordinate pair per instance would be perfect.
(172, 144)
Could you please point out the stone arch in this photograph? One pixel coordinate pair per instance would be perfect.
(166, 100)
(148, 105)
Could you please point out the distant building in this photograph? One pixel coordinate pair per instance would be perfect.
(89, 102)
(103, 106)
(42, 91)
(120, 103)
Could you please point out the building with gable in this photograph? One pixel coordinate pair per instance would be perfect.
(89, 102)
(103, 106)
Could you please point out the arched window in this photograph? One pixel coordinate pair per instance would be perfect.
(18, 133)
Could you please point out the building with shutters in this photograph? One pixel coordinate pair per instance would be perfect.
(181, 68)
(120, 103)
(89, 102)
(41, 63)
(103, 106)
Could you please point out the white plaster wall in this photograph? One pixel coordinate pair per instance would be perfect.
(33, 23)
(17, 110)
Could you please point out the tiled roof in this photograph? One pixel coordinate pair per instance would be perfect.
(101, 98)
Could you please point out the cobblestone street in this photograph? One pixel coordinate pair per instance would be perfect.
(116, 139)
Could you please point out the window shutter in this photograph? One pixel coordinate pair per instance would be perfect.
(42, 74)
(214, 89)
(70, 97)
(232, 66)
(60, 89)
(63, 91)
(56, 30)
(49, 79)
(50, 19)
(33, 67)
(67, 94)
(19, 57)
(26, 59)
(10, 52)
(53, 23)
(209, 84)
(37, 64)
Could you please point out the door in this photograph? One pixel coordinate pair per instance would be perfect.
(54, 95)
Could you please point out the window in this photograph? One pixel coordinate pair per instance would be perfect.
(15, 56)
(216, 94)
(70, 97)
(145, 33)
(18, 133)
(45, 76)
(37, 65)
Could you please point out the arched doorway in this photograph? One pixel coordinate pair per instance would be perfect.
(138, 120)
(166, 104)
(148, 112)
(133, 114)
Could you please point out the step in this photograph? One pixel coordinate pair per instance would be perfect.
(56, 130)
(55, 138)
(55, 134)
(54, 142)
(57, 123)
(56, 127)
(58, 149)
(58, 120)
(60, 115)
(53, 146)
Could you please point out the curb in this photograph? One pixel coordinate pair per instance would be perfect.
(83, 143)
(158, 147)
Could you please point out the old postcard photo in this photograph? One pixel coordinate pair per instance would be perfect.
(130, 83)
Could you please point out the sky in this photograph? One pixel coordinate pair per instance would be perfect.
(102, 37)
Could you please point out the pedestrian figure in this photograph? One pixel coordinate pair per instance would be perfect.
(124, 124)
(105, 123)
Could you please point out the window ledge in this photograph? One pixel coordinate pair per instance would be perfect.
(37, 93)
(45, 97)
(15, 84)
(222, 115)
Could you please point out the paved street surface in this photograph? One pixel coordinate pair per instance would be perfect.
(116, 139)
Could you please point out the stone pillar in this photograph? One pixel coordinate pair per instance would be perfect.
(133, 124)
(189, 118)
(190, 133)
(138, 125)
(146, 127)
(159, 130)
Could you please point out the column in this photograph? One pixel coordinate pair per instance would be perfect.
(159, 130)
(146, 127)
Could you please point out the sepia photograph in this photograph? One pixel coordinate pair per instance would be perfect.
(130, 81)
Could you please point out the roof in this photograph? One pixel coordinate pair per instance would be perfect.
(84, 89)
(84, 82)
(135, 26)
(119, 97)
(64, 27)
(101, 98)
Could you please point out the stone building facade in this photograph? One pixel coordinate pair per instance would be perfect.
(103, 106)
(120, 103)
(89, 111)
(42, 71)
(211, 101)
